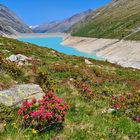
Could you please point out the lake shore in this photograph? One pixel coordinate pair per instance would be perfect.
(121, 52)
(54, 41)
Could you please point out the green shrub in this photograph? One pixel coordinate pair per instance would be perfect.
(46, 82)
(6, 113)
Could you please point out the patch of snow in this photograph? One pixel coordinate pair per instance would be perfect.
(34, 26)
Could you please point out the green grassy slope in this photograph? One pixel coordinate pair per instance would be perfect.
(115, 20)
(86, 118)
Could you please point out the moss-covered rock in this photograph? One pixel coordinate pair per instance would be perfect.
(15, 95)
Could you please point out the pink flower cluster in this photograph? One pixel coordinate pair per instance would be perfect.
(118, 101)
(137, 119)
(83, 87)
(121, 101)
(48, 111)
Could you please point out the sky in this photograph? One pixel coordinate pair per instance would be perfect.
(34, 12)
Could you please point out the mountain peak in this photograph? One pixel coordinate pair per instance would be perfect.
(63, 25)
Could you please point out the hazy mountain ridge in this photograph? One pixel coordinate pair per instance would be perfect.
(118, 19)
(10, 23)
(61, 26)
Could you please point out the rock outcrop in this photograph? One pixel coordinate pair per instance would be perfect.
(88, 62)
(15, 95)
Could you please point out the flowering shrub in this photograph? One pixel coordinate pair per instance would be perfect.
(137, 119)
(43, 114)
(84, 88)
(128, 103)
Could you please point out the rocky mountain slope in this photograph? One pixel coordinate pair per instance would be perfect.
(123, 52)
(61, 26)
(119, 19)
(10, 23)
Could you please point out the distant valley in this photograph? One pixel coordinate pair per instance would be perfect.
(61, 26)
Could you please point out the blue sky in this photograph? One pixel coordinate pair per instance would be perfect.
(34, 12)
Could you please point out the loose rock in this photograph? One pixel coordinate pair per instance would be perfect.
(110, 110)
(88, 62)
(19, 59)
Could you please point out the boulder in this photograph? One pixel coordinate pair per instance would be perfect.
(12, 58)
(88, 62)
(15, 95)
(110, 110)
(19, 59)
(53, 52)
(71, 79)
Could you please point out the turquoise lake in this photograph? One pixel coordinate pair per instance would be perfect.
(55, 43)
